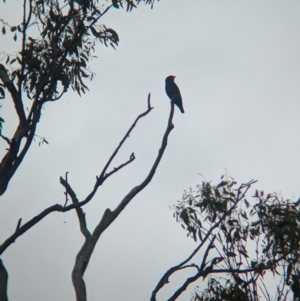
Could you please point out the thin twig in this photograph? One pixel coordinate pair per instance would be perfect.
(66, 192)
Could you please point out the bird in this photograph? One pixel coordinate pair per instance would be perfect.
(173, 92)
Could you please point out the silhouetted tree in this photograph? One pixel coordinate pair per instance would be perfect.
(57, 42)
(241, 241)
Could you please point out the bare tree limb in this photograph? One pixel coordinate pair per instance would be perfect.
(66, 192)
(203, 264)
(76, 204)
(81, 217)
(5, 138)
(19, 224)
(103, 173)
(201, 273)
(84, 255)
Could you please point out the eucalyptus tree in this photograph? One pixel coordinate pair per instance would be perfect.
(57, 42)
(58, 39)
(241, 241)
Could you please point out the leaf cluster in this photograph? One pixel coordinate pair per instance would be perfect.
(57, 57)
(251, 238)
(57, 42)
(215, 291)
(130, 4)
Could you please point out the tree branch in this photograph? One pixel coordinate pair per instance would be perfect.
(76, 204)
(11, 160)
(83, 256)
(103, 173)
(25, 26)
(3, 282)
(165, 278)
(16, 97)
(81, 216)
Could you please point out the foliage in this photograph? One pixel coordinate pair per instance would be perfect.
(1, 121)
(243, 241)
(58, 55)
(57, 41)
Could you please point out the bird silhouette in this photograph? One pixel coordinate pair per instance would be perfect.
(173, 92)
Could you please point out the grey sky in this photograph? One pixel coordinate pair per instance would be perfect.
(238, 67)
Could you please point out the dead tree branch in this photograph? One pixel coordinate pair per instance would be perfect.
(20, 230)
(84, 255)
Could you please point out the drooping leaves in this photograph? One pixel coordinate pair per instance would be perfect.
(2, 92)
(270, 222)
(68, 34)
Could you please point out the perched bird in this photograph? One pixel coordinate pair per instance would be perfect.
(173, 92)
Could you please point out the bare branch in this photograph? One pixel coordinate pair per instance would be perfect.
(5, 138)
(76, 204)
(83, 256)
(203, 264)
(103, 175)
(66, 192)
(81, 216)
(19, 224)
(165, 278)
(131, 159)
(201, 273)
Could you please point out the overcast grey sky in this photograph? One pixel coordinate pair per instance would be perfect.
(238, 67)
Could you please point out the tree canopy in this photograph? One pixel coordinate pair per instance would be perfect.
(57, 43)
(242, 240)
(58, 40)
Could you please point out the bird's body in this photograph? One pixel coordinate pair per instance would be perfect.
(173, 92)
